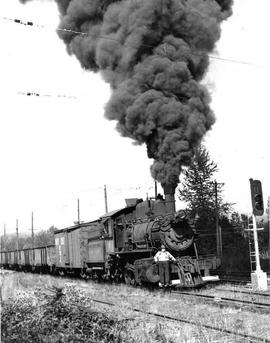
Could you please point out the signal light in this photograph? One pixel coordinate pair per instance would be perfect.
(256, 197)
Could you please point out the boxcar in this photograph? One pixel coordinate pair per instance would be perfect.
(11, 259)
(4, 259)
(51, 258)
(81, 246)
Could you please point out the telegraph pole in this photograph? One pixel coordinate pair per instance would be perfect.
(79, 211)
(155, 190)
(32, 229)
(106, 200)
(5, 237)
(268, 212)
(17, 234)
(218, 228)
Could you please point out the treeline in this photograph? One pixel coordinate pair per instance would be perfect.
(41, 238)
(203, 197)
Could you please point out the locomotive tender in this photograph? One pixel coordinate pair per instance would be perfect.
(121, 245)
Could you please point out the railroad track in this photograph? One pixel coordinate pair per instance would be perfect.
(224, 301)
(234, 277)
(243, 291)
(237, 278)
(251, 338)
(235, 281)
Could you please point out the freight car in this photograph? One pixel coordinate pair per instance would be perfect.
(120, 246)
(38, 259)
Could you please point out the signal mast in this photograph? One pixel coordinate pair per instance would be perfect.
(258, 277)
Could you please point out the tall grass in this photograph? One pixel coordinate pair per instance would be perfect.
(41, 308)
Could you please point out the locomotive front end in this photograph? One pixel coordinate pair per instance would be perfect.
(175, 232)
(158, 224)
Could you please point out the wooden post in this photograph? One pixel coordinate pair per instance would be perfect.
(17, 234)
(32, 229)
(155, 190)
(106, 200)
(5, 237)
(268, 210)
(33, 237)
(218, 228)
(79, 211)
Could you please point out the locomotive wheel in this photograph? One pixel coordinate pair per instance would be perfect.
(130, 278)
(61, 273)
(83, 275)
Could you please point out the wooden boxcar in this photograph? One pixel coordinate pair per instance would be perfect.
(4, 259)
(51, 258)
(72, 247)
(87, 246)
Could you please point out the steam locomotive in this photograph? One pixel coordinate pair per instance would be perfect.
(121, 245)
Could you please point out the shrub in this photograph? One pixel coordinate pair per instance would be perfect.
(64, 315)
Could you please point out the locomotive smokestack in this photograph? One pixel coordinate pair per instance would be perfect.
(169, 191)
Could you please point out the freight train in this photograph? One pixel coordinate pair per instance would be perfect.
(120, 246)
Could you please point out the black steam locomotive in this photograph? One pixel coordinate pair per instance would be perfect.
(121, 246)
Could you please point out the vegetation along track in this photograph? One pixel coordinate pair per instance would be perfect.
(224, 301)
(250, 338)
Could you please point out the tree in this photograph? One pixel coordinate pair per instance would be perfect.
(201, 193)
(41, 238)
(45, 237)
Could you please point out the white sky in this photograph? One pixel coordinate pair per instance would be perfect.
(55, 150)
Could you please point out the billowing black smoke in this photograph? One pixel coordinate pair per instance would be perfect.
(154, 54)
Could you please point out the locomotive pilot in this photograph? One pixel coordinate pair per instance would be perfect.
(163, 259)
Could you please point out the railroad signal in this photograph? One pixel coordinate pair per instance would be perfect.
(256, 197)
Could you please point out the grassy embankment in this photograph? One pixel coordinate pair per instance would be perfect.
(40, 308)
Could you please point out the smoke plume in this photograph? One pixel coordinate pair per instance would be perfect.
(154, 54)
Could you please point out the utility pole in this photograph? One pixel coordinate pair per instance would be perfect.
(32, 229)
(268, 212)
(106, 200)
(17, 233)
(155, 189)
(79, 211)
(218, 228)
(5, 237)
(33, 238)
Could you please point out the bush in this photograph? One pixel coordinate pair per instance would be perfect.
(64, 315)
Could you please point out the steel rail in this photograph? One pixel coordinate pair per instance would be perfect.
(225, 299)
(191, 322)
(228, 280)
(243, 291)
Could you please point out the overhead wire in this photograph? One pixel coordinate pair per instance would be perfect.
(32, 24)
(47, 95)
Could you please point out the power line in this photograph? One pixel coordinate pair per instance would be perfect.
(47, 95)
(30, 23)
